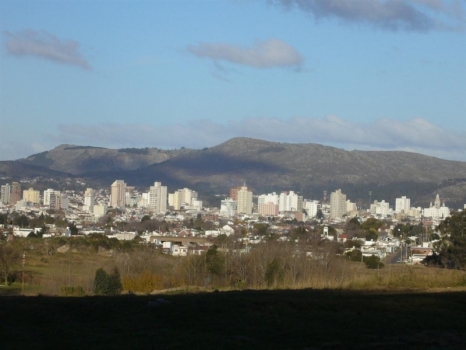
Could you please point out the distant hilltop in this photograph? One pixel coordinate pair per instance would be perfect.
(309, 168)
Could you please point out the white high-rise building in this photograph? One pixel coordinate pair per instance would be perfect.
(118, 194)
(290, 202)
(228, 207)
(89, 200)
(196, 204)
(337, 204)
(47, 195)
(312, 207)
(402, 205)
(268, 198)
(5, 193)
(181, 198)
(144, 202)
(158, 198)
(244, 202)
(380, 208)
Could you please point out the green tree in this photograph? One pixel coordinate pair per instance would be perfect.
(145, 218)
(273, 273)
(101, 282)
(106, 284)
(371, 223)
(452, 245)
(373, 262)
(261, 229)
(115, 286)
(73, 229)
(22, 220)
(371, 235)
(354, 255)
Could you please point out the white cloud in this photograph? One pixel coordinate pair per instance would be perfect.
(416, 135)
(263, 54)
(45, 45)
(409, 15)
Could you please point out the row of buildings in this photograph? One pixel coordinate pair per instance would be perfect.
(157, 200)
(12, 195)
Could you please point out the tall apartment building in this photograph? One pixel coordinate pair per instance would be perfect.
(268, 198)
(118, 194)
(312, 207)
(380, 208)
(290, 202)
(55, 200)
(47, 194)
(5, 193)
(15, 193)
(337, 204)
(182, 197)
(244, 201)
(267, 204)
(31, 196)
(89, 200)
(268, 209)
(228, 207)
(234, 191)
(351, 207)
(158, 198)
(402, 205)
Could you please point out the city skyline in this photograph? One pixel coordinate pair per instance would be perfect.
(376, 75)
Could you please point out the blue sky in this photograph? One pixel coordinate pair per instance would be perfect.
(360, 74)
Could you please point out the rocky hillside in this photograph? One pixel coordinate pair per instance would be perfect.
(266, 166)
(309, 168)
(16, 170)
(82, 159)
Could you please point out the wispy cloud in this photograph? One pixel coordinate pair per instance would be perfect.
(416, 135)
(408, 15)
(262, 54)
(45, 45)
(10, 150)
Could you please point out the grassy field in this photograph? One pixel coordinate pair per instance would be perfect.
(276, 319)
(350, 307)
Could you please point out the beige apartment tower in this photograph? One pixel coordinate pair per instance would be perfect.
(244, 201)
(31, 196)
(118, 194)
(337, 204)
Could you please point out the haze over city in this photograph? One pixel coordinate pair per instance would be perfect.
(372, 75)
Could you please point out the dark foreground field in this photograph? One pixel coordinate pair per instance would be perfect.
(298, 319)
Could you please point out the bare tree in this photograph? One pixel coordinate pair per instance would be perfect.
(9, 257)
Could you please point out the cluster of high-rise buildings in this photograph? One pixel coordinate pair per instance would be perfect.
(240, 202)
(157, 199)
(10, 194)
(273, 204)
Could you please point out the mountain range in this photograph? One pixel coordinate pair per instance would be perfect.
(263, 166)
